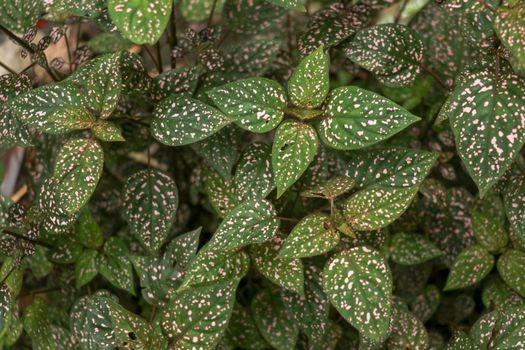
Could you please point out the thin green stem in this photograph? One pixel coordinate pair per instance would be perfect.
(70, 60)
(212, 12)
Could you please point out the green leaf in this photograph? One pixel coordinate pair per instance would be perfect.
(377, 207)
(150, 202)
(199, 10)
(161, 273)
(181, 80)
(273, 322)
(181, 120)
(108, 43)
(243, 331)
(100, 323)
(510, 268)
(294, 148)
(20, 15)
(357, 118)
(426, 303)
(107, 131)
(290, 4)
(496, 294)
(412, 249)
(254, 175)
(513, 195)
(251, 222)
(115, 266)
(332, 188)
(140, 21)
(53, 109)
(395, 167)
(358, 283)
(254, 104)
(310, 311)
(470, 267)
(85, 267)
(508, 24)
(77, 171)
(6, 306)
(487, 119)
(489, 231)
(251, 16)
(500, 329)
(312, 236)
(394, 53)
(285, 272)
(408, 332)
(330, 26)
(87, 230)
(461, 341)
(13, 132)
(309, 83)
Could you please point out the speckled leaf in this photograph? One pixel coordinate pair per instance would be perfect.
(510, 268)
(87, 230)
(254, 104)
(141, 21)
(356, 118)
(181, 120)
(500, 329)
(311, 236)
(243, 331)
(114, 264)
(426, 303)
(100, 323)
(12, 132)
(486, 116)
(332, 188)
(408, 332)
(150, 203)
(509, 24)
(251, 16)
(6, 306)
(470, 267)
(290, 4)
(107, 131)
(161, 273)
(377, 207)
(309, 83)
(221, 192)
(358, 283)
(181, 80)
(273, 321)
(412, 249)
(294, 148)
(461, 341)
(396, 167)
(77, 171)
(53, 109)
(489, 230)
(310, 311)
(199, 10)
(285, 272)
(329, 26)
(251, 222)
(496, 294)
(392, 52)
(253, 175)
(85, 267)
(514, 203)
(20, 15)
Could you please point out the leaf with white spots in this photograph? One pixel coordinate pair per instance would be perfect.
(107, 131)
(408, 332)
(312, 236)
(251, 16)
(53, 109)
(251, 222)
(332, 25)
(357, 118)
(358, 283)
(85, 267)
(298, 5)
(412, 249)
(12, 132)
(487, 115)
(100, 323)
(377, 207)
(488, 228)
(6, 306)
(161, 273)
(496, 294)
(88, 231)
(509, 24)
(392, 52)
(461, 341)
(20, 15)
(332, 188)
(253, 175)
(273, 322)
(254, 104)
(221, 192)
(310, 311)
(243, 331)
(181, 80)
(150, 203)
(514, 202)
(396, 167)
(294, 148)
(77, 171)
(426, 303)
(471, 266)
(309, 83)
(180, 120)
(500, 329)
(198, 10)
(114, 264)
(141, 21)
(510, 268)
(285, 272)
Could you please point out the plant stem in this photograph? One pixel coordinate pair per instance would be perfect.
(159, 56)
(68, 52)
(153, 59)
(210, 17)
(2, 64)
(400, 12)
(173, 36)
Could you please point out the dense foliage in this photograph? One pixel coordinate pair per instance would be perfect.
(257, 174)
